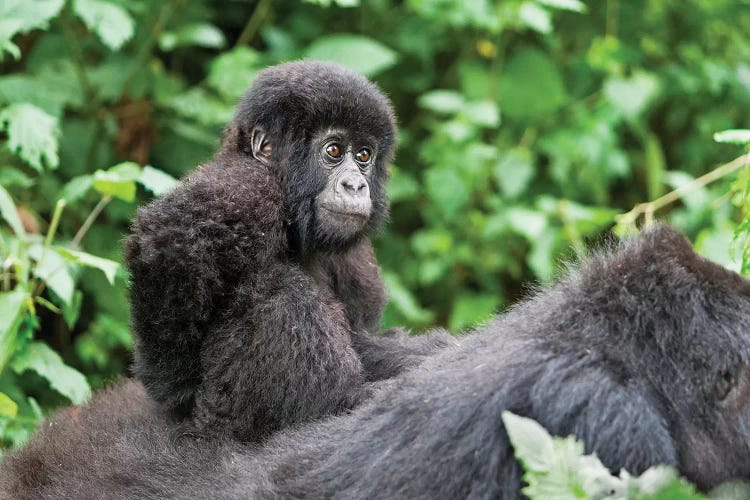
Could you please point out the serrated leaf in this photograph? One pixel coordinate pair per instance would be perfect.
(359, 53)
(197, 34)
(157, 181)
(733, 136)
(108, 267)
(12, 307)
(111, 23)
(8, 407)
(531, 442)
(21, 16)
(232, 72)
(442, 101)
(40, 358)
(9, 212)
(32, 134)
(118, 181)
(53, 269)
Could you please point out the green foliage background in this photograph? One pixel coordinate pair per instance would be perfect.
(526, 127)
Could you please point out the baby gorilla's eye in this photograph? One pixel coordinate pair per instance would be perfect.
(334, 150)
(363, 155)
(724, 384)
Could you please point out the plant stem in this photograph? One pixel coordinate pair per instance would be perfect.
(90, 220)
(254, 23)
(59, 206)
(647, 209)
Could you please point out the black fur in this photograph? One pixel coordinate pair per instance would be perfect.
(628, 352)
(243, 311)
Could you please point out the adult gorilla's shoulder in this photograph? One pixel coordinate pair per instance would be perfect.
(642, 351)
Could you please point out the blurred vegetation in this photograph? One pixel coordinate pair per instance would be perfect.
(527, 126)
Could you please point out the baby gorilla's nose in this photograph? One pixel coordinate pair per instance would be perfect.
(354, 186)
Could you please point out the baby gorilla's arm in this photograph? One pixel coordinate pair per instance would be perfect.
(355, 279)
(284, 357)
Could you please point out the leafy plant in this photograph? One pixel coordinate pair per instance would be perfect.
(558, 468)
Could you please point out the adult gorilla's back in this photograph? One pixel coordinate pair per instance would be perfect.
(642, 352)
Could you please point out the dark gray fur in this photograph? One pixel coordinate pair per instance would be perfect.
(248, 316)
(628, 352)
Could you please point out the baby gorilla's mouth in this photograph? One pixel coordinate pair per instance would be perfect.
(351, 213)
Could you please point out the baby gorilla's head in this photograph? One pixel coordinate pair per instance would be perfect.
(330, 133)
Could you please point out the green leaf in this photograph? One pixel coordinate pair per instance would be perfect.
(157, 181)
(535, 17)
(232, 72)
(72, 311)
(482, 113)
(447, 190)
(108, 267)
(76, 188)
(472, 309)
(197, 34)
(401, 185)
(513, 171)
(404, 301)
(442, 101)
(112, 24)
(40, 358)
(359, 53)
(11, 176)
(21, 16)
(631, 96)
(12, 308)
(32, 134)
(118, 181)
(9, 212)
(531, 86)
(8, 407)
(573, 5)
(526, 222)
(733, 136)
(202, 107)
(53, 269)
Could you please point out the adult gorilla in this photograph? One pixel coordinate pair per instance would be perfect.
(643, 352)
(254, 286)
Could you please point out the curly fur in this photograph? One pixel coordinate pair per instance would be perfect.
(243, 313)
(623, 353)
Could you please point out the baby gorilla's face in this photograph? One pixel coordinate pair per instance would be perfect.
(344, 206)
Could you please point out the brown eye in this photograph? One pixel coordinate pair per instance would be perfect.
(334, 150)
(363, 155)
(724, 384)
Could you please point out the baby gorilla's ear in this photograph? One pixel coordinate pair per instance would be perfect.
(260, 145)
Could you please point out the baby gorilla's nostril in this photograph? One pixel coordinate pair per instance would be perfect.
(353, 186)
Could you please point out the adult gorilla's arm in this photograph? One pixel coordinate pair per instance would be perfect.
(226, 326)
(355, 278)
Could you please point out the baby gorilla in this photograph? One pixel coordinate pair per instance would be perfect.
(254, 284)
